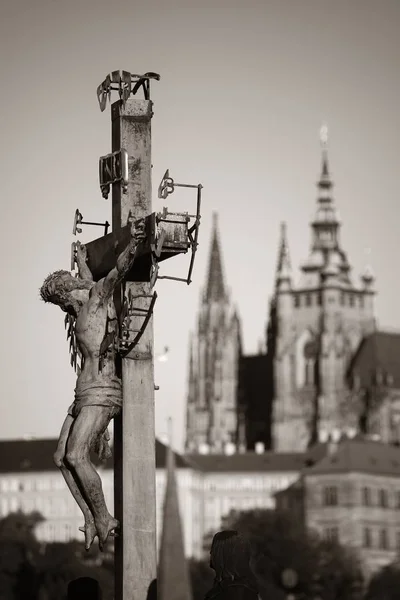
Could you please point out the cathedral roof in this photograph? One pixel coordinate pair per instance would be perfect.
(215, 287)
(378, 351)
(283, 267)
(36, 455)
(360, 456)
(249, 462)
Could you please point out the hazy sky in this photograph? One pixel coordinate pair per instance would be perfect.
(244, 89)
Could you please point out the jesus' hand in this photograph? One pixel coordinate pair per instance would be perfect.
(81, 251)
(138, 230)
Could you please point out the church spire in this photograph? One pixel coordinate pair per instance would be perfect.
(325, 182)
(173, 575)
(326, 223)
(283, 268)
(215, 287)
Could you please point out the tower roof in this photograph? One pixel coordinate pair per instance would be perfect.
(283, 267)
(215, 287)
(326, 253)
(173, 576)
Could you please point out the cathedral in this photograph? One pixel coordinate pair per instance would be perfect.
(298, 391)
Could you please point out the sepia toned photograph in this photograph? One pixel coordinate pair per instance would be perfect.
(199, 309)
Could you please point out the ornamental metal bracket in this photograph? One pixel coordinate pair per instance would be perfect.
(113, 167)
(78, 220)
(166, 187)
(126, 84)
(125, 344)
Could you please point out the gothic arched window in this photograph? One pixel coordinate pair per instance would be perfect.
(310, 355)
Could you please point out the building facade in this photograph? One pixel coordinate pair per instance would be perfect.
(212, 407)
(208, 487)
(297, 391)
(316, 326)
(352, 495)
(374, 381)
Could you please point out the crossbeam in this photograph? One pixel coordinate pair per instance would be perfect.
(102, 252)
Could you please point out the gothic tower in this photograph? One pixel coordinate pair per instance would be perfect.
(314, 329)
(212, 419)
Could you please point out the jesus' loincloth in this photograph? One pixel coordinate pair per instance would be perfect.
(105, 393)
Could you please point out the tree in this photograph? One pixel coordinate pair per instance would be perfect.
(19, 554)
(33, 571)
(385, 584)
(280, 542)
(63, 562)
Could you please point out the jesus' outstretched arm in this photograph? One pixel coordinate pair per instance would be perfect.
(124, 261)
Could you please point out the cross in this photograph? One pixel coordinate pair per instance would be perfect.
(128, 171)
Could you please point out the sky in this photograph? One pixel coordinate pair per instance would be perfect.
(244, 89)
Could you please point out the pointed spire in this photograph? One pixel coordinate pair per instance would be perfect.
(173, 574)
(283, 268)
(325, 182)
(215, 287)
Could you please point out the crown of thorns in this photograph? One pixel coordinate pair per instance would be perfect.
(55, 286)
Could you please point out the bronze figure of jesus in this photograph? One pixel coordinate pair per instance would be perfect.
(98, 392)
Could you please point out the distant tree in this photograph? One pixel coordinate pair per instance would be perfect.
(63, 562)
(33, 571)
(385, 584)
(280, 542)
(19, 556)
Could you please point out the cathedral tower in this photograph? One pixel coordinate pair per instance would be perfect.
(212, 419)
(315, 328)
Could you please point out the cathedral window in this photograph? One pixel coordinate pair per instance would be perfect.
(319, 298)
(309, 371)
(367, 542)
(331, 496)
(366, 494)
(308, 300)
(297, 300)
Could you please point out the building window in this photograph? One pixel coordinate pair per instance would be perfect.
(308, 300)
(297, 300)
(330, 496)
(361, 301)
(331, 534)
(398, 541)
(309, 372)
(351, 300)
(319, 298)
(383, 498)
(398, 499)
(383, 539)
(342, 298)
(367, 541)
(366, 496)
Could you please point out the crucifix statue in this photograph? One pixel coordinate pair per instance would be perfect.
(109, 307)
(98, 392)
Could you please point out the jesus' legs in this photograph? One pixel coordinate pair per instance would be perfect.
(59, 456)
(89, 424)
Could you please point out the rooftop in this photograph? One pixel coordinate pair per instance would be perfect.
(36, 455)
(359, 456)
(378, 351)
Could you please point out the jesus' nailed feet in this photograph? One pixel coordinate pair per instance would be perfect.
(110, 528)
